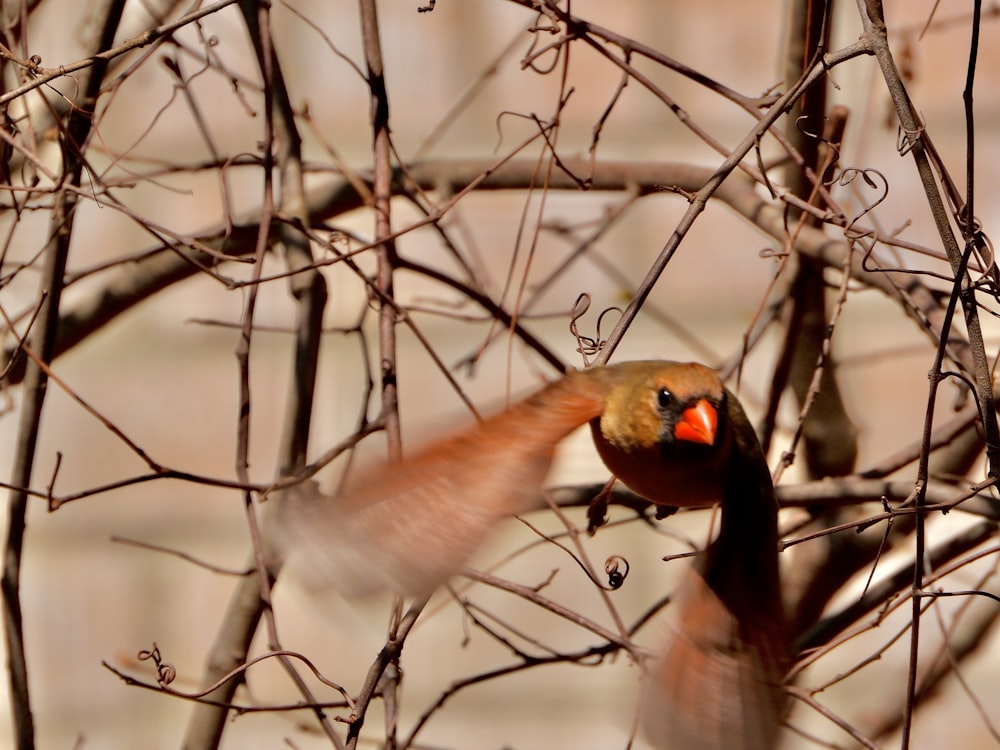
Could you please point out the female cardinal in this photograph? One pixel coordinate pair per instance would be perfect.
(672, 433)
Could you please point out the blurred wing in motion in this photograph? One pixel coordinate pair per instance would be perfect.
(408, 527)
(718, 684)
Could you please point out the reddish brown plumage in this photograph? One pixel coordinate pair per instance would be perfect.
(717, 685)
(408, 527)
(669, 431)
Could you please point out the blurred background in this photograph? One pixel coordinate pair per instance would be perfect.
(174, 161)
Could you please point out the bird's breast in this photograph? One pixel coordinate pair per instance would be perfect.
(691, 478)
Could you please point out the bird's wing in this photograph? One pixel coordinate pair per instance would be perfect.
(718, 684)
(408, 527)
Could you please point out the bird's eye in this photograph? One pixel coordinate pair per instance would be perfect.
(664, 398)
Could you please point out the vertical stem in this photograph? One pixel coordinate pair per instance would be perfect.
(385, 259)
(381, 196)
(914, 141)
(250, 599)
(807, 36)
(42, 341)
(970, 119)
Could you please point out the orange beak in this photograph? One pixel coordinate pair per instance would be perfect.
(698, 424)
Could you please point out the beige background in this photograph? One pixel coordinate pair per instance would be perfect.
(171, 385)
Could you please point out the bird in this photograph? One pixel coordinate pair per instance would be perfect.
(671, 432)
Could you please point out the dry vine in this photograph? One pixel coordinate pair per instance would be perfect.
(288, 183)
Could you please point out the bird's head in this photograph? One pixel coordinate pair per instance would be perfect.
(665, 431)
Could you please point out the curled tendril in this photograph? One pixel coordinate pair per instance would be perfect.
(801, 125)
(613, 567)
(988, 259)
(771, 252)
(847, 177)
(588, 346)
(536, 49)
(584, 344)
(336, 237)
(907, 139)
(165, 671)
